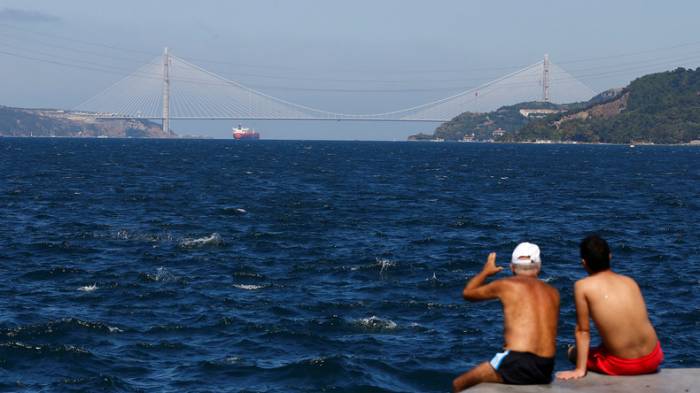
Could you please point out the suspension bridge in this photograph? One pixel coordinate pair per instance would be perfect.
(171, 88)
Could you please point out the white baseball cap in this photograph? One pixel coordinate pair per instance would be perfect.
(525, 249)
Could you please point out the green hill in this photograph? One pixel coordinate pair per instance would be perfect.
(656, 108)
(507, 118)
(482, 125)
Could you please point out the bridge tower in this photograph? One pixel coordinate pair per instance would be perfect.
(166, 91)
(545, 78)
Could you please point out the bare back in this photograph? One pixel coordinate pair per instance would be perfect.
(531, 314)
(616, 305)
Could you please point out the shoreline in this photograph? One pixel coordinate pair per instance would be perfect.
(697, 144)
(632, 145)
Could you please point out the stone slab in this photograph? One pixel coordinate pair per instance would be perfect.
(674, 380)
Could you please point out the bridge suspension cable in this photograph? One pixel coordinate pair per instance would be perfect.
(170, 87)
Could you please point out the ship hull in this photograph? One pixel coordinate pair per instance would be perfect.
(242, 133)
(246, 136)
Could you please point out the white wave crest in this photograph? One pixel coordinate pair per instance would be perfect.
(248, 274)
(162, 275)
(88, 288)
(384, 264)
(125, 234)
(235, 210)
(376, 323)
(212, 240)
(248, 287)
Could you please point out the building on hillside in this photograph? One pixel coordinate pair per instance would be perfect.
(538, 113)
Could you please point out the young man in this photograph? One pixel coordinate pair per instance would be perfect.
(615, 303)
(531, 311)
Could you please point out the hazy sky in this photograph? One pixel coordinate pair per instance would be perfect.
(312, 52)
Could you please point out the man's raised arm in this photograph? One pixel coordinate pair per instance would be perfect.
(476, 290)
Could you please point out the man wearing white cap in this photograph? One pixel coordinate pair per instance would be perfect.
(531, 313)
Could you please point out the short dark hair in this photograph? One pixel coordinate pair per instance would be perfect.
(596, 252)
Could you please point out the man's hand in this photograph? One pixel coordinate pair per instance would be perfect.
(571, 374)
(476, 290)
(490, 267)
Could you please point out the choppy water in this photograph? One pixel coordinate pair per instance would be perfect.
(131, 265)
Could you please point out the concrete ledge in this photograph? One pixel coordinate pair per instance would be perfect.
(673, 380)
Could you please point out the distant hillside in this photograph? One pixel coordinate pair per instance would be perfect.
(50, 122)
(506, 119)
(482, 125)
(656, 108)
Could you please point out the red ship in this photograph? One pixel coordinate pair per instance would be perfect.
(245, 133)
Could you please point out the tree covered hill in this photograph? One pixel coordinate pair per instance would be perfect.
(656, 108)
(482, 125)
(506, 118)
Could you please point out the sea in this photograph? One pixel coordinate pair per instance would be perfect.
(133, 265)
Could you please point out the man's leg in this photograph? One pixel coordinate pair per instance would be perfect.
(592, 363)
(481, 373)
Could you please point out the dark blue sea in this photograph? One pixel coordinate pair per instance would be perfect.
(281, 266)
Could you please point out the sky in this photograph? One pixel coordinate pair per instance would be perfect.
(344, 56)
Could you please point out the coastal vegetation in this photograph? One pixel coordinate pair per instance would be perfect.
(657, 108)
(483, 125)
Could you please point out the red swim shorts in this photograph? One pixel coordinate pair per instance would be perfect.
(602, 362)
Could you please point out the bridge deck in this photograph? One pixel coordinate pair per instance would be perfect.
(679, 380)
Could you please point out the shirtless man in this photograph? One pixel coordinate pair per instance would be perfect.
(531, 311)
(615, 303)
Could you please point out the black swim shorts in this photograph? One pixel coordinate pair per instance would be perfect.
(523, 368)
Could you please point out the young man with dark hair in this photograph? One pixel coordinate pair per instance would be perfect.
(531, 313)
(595, 252)
(615, 303)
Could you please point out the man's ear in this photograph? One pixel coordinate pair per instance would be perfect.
(585, 266)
